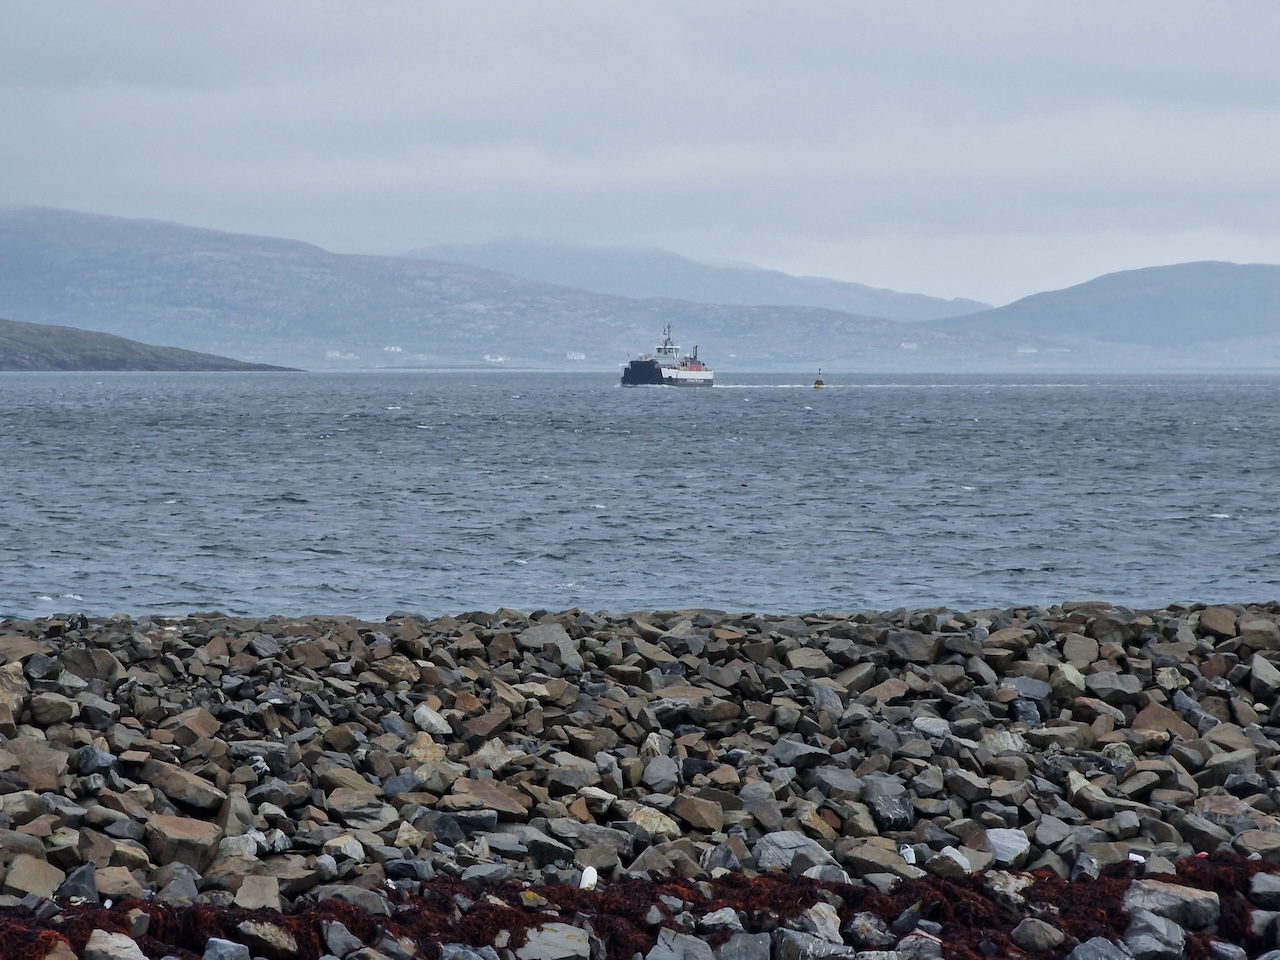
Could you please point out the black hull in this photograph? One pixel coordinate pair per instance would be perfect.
(642, 373)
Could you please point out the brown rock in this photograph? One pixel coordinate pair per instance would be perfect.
(258, 893)
(29, 875)
(1218, 622)
(470, 794)
(182, 786)
(698, 813)
(192, 725)
(181, 839)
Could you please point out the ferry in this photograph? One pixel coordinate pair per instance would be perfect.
(666, 367)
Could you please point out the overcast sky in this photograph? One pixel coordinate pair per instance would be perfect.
(977, 149)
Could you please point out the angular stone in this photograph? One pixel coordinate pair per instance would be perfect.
(865, 858)
(1264, 678)
(1116, 689)
(745, 946)
(1036, 935)
(29, 875)
(49, 708)
(698, 813)
(1218, 622)
(258, 893)
(673, 945)
(181, 839)
(777, 850)
(1151, 937)
(218, 949)
(182, 786)
(112, 946)
(552, 636)
(795, 753)
(554, 941)
(473, 794)
(268, 939)
(1099, 948)
(192, 725)
(1185, 906)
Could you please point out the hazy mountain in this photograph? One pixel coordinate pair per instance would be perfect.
(288, 302)
(32, 346)
(659, 273)
(1181, 305)
(291, 303)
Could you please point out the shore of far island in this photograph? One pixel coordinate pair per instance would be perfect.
(1083, 780)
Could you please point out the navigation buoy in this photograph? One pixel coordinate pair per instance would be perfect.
(818, 382)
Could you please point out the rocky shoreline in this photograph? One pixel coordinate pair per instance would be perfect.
(1083, 781)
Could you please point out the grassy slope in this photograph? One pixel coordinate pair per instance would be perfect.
(31, 346)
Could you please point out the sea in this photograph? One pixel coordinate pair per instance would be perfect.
(448, 492)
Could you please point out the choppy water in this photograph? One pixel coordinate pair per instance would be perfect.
(367, 493)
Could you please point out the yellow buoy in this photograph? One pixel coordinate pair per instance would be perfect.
(818, 382)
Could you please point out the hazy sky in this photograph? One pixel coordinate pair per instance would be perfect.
(979, 149)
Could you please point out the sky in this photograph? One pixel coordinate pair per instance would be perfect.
(961, 149)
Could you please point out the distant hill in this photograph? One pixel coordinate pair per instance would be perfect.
(1178, 306)
(33, 346)
(659, 273)
(287, 302)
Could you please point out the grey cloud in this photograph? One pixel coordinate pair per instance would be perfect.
(746, 130)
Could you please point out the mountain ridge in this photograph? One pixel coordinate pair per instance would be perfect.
(1180, 304)
(294, 304)
(661, 274)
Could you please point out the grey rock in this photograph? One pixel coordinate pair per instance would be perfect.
(218, 949)
(745, 946)
(673, 945)
(1036, 935)
(1098, 948)
(778, 850)
(794, 945)
(1151, 937)
(1185, 906)
(338, 940)
(555, 941)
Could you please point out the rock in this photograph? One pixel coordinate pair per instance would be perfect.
(1098, 948)
(182, 840)
(1264, 890)
(794, 945)
(1152, 937)
(258, 893)
(1009, 848)
(554, 941)
(1036, 936)
(1185, 906)
(218, 949)
(269, 939)
(1218, 622)
(672, 945)
(111, 946)
(778, 850)
(27, 875)
(80, 884)
(745, 946)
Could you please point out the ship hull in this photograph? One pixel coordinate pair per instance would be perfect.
(650, 373)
